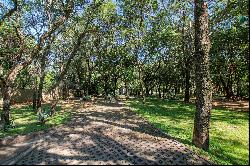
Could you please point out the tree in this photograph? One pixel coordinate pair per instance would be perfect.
(9, 13)
(24, 60)
(202, 74)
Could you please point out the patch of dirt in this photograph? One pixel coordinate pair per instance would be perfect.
(232, 105)
(241, 105)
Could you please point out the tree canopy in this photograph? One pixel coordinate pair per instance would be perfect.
(110, 47)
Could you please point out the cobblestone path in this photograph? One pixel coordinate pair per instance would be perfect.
(107, 134)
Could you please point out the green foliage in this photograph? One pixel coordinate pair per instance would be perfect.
(127, 41)
(229, 135)
(86, 98)
(107, 9)
(141, 44)
(26, 121)
(49, 80)
(6, 127)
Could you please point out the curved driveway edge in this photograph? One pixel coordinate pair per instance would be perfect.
(108, 134)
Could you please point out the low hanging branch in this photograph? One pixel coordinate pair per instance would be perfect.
(66, 67)
(8, 80)
(71, 57)
(16, 69)
(222, 14)
(75, 49)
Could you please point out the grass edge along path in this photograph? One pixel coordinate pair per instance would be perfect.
(26, 121)
(229, 130)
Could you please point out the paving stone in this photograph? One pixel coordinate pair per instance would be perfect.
(109, 135)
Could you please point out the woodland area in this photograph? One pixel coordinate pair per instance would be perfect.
(167, 49)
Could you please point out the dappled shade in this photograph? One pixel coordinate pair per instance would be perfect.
(229, 128)
(104, 134)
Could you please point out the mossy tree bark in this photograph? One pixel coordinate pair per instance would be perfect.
(203, 80)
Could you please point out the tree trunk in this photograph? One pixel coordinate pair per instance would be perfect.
(115, 85)
(229, 92)
(39, 92)
(106, 91)
(64, 91)
(203, 80)
(6, 90)
(175, 89)
(35, 95)
(13, 72)
(151, 91)
(53, 107)
(187, 86)
(239, 89)
(185, 55)
(142, 86)
(41, 81)
(164, 91)
(147, 90)
(126, 87)
(143, 92)
(227, 87)
(89, 77)
(159, 90)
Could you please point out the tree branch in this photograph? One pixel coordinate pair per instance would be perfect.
(16, 69)
(10, 12)
(218, 18)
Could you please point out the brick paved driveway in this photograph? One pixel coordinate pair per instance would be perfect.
(107, 134)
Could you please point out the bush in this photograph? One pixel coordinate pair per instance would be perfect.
(9, 126)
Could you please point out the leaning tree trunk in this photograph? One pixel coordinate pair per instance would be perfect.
(6, 90)
(41, 81)
(203, 80)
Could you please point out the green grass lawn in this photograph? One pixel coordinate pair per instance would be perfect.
(229, 133)
(25, 120)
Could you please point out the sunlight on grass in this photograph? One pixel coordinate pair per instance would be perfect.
(26, 121)
(229, 137)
